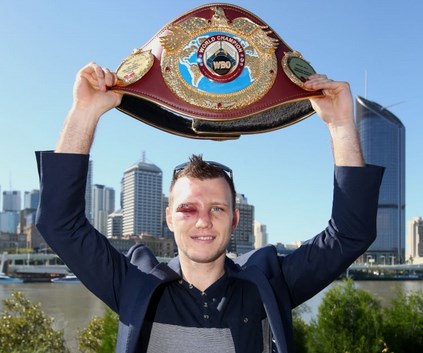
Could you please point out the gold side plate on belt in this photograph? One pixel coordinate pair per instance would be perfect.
(296, 68)
(134, 67)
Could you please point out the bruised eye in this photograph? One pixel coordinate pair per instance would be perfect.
(187, 208)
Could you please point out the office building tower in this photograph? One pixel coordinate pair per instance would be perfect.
(142, 200)
(243, 237)
(114, 224)
(103, 203)
(382, 138)
(31, 199)
(88, 193)
(12, 201)
(414, 245)
(9, 221)
(260, 235)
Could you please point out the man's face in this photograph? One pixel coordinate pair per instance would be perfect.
(202, 218)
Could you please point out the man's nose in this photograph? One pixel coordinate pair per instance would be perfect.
(204, 220)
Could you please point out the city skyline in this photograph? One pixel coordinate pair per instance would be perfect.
(287, 174)
(146, 174)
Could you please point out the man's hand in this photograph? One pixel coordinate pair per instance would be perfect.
(337, 110)
(91, 89)
(91, 99)
(336, 106)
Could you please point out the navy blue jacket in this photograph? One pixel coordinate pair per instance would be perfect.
(127, 283)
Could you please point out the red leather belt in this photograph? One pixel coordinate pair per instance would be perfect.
(216, 72)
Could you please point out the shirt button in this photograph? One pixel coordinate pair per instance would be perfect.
(245, 320)
(205, 305)
(206, 316)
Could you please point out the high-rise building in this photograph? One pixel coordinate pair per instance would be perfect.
(103, 203)
(31, 199)
(114, 224)
(414, 245)
(9, 218)
(12, 201)
(382, 138)
(9, 221)
(243, 237)
(260, 234)
(142, 200)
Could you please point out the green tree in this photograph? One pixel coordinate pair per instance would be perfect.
(348, 320)
(403, 323)
(100, 335)
(25, 328)
(300, 329)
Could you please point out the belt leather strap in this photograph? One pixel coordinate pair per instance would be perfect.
(216, 72)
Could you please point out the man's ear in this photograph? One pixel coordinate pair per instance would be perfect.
(169, 219)
(235, 220)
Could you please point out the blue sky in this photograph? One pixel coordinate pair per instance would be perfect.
(285, 174)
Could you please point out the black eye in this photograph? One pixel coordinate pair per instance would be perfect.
(185, 208)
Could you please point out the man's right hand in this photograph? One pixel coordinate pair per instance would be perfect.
(92, 97)
(91, 89)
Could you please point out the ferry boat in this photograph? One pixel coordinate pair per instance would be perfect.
(33, 267)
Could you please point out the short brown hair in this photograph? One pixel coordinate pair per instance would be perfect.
(200, 169)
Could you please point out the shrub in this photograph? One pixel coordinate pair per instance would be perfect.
(25, 328)
(100, 335)
(348, 320)
(403, 323)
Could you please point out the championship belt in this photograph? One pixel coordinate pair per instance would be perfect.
(216, 72)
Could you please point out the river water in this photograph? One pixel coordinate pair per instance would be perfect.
(72, 306)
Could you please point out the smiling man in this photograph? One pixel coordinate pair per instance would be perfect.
(202, 215)
(202, 301)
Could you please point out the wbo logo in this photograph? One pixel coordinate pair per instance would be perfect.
(221, 58)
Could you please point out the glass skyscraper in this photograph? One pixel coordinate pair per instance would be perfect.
(382, 137)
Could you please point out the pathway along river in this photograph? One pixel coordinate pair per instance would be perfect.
(72, 306)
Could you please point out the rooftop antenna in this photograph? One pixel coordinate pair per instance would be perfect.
(392, 105)
(143, 157)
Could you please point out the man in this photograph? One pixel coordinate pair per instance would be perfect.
(201, 300)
